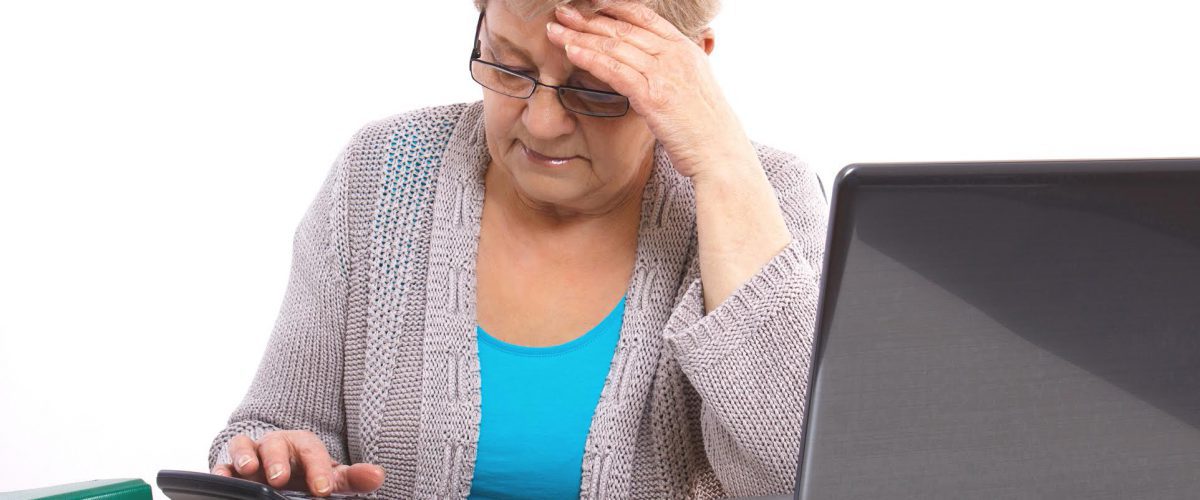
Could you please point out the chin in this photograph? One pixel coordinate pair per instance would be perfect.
(545, 188)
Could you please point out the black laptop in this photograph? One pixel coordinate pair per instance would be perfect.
(1008, 330)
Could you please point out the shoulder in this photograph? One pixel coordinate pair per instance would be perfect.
(418, 127)
(400, 154)
(392, 164)
(408, 144)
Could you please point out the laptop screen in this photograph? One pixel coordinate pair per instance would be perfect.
(1010, 331)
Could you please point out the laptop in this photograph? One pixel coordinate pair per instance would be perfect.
(1008, 330)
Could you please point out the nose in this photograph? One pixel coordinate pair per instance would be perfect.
(545, 117)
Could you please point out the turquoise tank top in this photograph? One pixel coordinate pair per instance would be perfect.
(537, 405)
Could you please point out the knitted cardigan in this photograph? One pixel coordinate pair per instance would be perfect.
(374, 349)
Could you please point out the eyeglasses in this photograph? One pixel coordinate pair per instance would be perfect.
(512, 83)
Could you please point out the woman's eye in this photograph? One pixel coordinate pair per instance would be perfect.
(593, 85)
(603, 98)
(516, 69)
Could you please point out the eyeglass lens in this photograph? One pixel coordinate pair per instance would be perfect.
(522, 87)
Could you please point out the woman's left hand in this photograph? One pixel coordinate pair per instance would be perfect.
(666, 77)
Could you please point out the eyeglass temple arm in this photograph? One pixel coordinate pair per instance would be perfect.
(476, 53)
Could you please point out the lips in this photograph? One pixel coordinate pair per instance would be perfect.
(541, 159)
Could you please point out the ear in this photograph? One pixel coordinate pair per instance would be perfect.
(706, 40)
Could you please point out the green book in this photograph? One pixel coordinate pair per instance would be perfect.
(100, 489)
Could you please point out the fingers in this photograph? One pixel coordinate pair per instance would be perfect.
(275, 453)
(223, 470)
(642, 16)
(297, 460)
(317, 464)
(243, 451)
(606, 26)
(627, 54)
(358, 478)
(623, 79)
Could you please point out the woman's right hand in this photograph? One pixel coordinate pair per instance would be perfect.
(297, 460)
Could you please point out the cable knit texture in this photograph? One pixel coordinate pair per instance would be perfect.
(374, 349)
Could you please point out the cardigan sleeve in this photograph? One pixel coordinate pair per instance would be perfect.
(748, 358)
(298, 384)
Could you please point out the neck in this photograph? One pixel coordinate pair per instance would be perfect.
(603, 227)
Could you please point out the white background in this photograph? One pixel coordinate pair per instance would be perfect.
(156, 157)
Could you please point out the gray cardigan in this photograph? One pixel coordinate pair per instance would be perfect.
(374, 349)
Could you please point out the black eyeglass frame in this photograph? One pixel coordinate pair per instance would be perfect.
(476, 54)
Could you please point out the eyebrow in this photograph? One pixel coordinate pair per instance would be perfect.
(498, 41)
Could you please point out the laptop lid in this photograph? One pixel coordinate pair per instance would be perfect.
(1000, 330)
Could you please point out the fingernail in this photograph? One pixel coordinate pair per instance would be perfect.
(571, 49)
(322, 485)
(554, 27)
(275, 471)
(566, 9)
(242, 461)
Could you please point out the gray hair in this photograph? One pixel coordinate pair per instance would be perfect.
(691, 17)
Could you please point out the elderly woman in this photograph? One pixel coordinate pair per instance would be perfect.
(590, 284)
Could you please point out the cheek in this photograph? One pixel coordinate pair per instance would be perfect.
(624, 143)
(502, 115)
(617, 157)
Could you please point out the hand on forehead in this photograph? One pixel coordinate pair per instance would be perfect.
(511, 40)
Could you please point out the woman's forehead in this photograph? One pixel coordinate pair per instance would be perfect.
(529, 9)
(500, 42)
(513, 30)
(511, 34)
